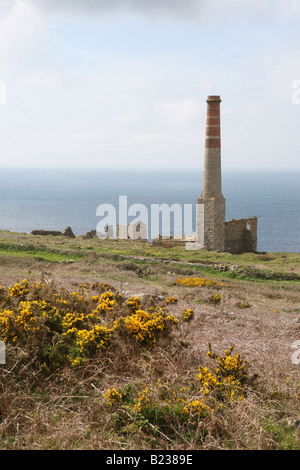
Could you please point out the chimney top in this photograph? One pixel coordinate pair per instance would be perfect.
(213, 98)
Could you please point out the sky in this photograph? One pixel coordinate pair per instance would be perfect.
(123, 83)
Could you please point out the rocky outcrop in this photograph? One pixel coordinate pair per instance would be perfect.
(69, 233)
(89, 235)
(54, 233)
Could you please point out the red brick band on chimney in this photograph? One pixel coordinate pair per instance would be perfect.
(213, 133)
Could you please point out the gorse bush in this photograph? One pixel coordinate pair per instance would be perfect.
(215, 299)
(69, 327)
(173, 409)
(197, 282)
(134, 304)
(171, 300)
(18, 290)
(145, 326)
(228, 379)
(243, 304)
(187, 314)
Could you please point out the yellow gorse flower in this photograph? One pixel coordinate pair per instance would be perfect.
(171, 300)
(197, 282)
(187, 314)
(113, 396)
(66, 327)
(143, 400)
(215, 299)
(145, 326)
(195, 407)
(106, 302)
(207, 380)
(134, 303)
(19, 290)
(228, 377)
(102, 286)
(172, 319)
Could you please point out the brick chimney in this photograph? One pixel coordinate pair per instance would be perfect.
(211, 203)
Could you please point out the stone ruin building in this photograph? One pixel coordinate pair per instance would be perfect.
(213, 232)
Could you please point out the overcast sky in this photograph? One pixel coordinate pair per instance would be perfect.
(123, 83)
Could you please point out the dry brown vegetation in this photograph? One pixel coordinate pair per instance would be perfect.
(65, 407)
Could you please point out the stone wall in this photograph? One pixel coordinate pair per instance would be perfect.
(169, 242)
(241, 235)
(137, 231)
(133, 231)
(211, 223)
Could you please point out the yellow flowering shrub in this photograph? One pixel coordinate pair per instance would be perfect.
(160, 407)
(143, 400)
(106, 302)
(229, 366)
(208, 380)
(98, 336)
(19, 290)
(91, 328)
(187, 314)
(18, 324)
(79, 297)
(165, 407)
(215, 299)
(243, 304)
(25, 318)
(172, 319)
(228, 379)
(197, 282)
(134, 304)
(195, 407)
(145, 326)
(63, 325)
(7, 321)
(113, 396)
(72, 320)
(171, 300)
(66, 327)
(102, 287)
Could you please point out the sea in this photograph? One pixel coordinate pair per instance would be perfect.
(52, 199)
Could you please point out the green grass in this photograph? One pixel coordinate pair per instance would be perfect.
(259, 267)
(184, 269)
(285, 436)
(30, 251)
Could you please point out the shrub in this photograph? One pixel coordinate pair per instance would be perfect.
(228, 380)
(134, 304)
(38, 316)
(145, 326)
(197, 282)
(188, 314)
(215, 299)
(243, 304)
(171, 300)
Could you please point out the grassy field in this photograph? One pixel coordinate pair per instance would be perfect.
(121, 345)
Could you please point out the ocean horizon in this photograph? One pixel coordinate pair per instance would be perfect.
(52, 199)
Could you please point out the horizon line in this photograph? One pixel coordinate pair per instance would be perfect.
(152, 168)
